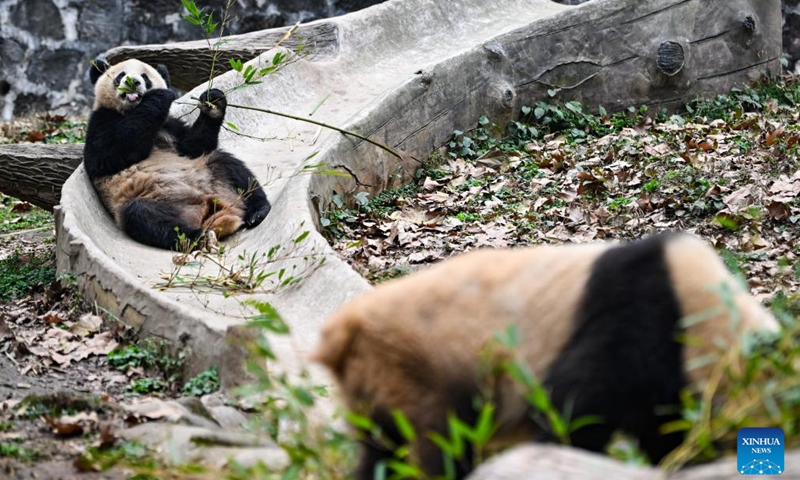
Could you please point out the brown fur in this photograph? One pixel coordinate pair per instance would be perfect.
(415, 343)
(204, 201)
(698, 293)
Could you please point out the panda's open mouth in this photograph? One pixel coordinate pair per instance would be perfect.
(131, 97)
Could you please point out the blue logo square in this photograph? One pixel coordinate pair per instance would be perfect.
(759, 451)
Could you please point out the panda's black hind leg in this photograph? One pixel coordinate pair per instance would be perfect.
(154, 223)
(224, 165)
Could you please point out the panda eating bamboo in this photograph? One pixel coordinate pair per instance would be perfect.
(160, 179)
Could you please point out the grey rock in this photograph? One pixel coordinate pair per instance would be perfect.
(180, 444)
(176, 412)
(554, 462)
(39, 17)
(228, 418)
(100, 19)
(54, 68)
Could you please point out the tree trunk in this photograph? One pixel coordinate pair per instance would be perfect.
(35, 172)
(190, 63)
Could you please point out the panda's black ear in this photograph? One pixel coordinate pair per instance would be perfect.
(98, 66)
(162, 69)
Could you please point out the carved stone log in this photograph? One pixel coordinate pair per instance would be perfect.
(36, 172)
(555, 462)
(190, 63)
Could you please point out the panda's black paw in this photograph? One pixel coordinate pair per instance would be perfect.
(161, 95)
(254, 215)
(213, 103)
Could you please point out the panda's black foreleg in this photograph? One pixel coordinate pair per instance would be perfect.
(203, 136)
(224, 165)
(114, 142)
(157, 224)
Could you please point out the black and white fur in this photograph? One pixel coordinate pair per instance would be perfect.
(599, 325)
(156, 175)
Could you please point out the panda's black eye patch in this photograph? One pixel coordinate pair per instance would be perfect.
(147, 82)
(119, 78)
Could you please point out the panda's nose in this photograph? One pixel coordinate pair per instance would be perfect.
(136, 82)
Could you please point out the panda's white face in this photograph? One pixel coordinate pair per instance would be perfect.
(123, 85)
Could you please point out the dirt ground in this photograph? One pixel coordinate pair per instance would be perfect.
(53, 357)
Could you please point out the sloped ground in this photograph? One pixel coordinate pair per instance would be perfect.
(54, 347)
(727, 170)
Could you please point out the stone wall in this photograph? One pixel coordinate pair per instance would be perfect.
(46, 45)
(791, 34)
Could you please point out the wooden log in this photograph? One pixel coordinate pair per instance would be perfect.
(35, 172)
(190, 63)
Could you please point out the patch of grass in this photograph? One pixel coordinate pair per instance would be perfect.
(619, 202)
(395, 271)
(204, 383)
(19, 272)
(468, 217)
(13, 450)
(146, 385)
(157, 358)
(132, 453)
(652, 186)
(14, 219)
(386, 201)
(45, 128)
(756, 98)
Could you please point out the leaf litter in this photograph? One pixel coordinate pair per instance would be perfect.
(732, 177)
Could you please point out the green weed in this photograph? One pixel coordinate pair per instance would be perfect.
(13, 450)
(204, 383)
(14, 219)
(20, 272)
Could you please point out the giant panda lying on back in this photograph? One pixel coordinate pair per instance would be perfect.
(153, 172)
(599, 324)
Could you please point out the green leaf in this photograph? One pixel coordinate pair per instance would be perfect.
(362, 198)
(403, 469)
(539, 399)
(404, 425)
(539, 112)
(526, 110)
(236, 64)
(232, 126)
(508, 338)
(193, 20)
(484, 428)
(361, 422)
(191, 7)
(268, 318)
(302, 236)
(584, 421)
(441, 442)
(574, 106)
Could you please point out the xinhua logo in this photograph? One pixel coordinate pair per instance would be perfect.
(760, 451)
